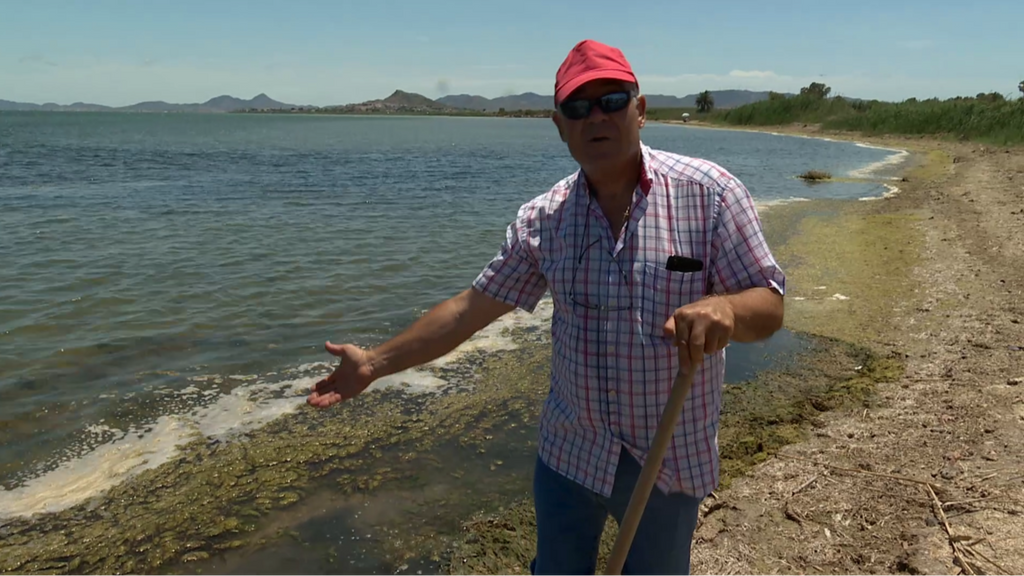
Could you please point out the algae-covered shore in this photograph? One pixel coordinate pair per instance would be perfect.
(901, 325)
(386, 482)
(848, 267)
(905, 459)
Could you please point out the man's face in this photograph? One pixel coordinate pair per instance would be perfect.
(602, 137)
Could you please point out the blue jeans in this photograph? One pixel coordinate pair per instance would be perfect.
(571, 518)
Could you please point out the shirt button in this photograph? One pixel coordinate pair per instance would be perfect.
(611, 349)
(611, 394)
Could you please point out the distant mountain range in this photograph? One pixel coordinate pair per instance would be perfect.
(525, 101)
(398, 101)
(218, 104)
(532, 101)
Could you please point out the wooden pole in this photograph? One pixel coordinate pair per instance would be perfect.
(649, 474)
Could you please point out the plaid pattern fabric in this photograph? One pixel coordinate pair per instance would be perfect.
(612, 367)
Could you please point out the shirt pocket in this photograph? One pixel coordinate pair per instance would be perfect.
(660, 293)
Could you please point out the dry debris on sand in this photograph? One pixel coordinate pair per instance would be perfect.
(931, 480)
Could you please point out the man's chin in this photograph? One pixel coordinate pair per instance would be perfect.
(601, 154)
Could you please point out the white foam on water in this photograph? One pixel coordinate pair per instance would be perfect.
(764, 205)
(826, 139)
(413, 381)
(83, 474)
(898, 157)
(890, 191)
(495, 337)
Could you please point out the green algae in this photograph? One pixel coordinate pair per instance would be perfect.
(848, 268)
(862, 251)
(220, 497)
(778, 407)
(215, 496)
(781, 406)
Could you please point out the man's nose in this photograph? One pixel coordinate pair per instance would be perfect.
(596, 114)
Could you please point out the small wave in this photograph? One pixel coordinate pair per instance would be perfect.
(806, 136)
(84, 473)
(898, 157)
(764, 205)
(890, 191)
(105, 456)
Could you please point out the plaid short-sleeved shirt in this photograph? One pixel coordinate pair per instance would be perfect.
(612, 367)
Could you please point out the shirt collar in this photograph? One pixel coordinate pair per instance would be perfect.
(646, 176)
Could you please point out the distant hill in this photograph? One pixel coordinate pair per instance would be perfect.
(52, 107)
(466, 101)
(218, 104)
(401, 98)
(532, 101)
(399, 101)
(525, 101)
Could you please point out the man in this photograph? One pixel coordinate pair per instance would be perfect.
(654, 261)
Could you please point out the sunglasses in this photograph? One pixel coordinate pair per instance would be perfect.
(580, 108)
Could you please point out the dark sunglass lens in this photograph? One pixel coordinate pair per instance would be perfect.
(614, 102)
(575, 109)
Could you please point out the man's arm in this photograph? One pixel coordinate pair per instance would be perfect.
(758, 313)
(433, 335)
(437, 332)
(744, 273)
(512, 279)
(746, 285)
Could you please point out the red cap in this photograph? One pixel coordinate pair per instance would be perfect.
(591, 60)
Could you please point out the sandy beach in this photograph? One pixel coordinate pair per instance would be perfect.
(915, 467)
(928, 478)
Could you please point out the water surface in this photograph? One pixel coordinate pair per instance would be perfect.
(163, 275)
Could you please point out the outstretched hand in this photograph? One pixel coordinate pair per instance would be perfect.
(701, 327)
(353, 375)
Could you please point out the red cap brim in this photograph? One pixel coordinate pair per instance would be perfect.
(604, 74)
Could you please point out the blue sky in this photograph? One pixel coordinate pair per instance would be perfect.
(333, 52)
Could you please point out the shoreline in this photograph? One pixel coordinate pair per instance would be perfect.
(957, 328)
(855, 362)
(900, 159)
(780, 407)
(878, 274)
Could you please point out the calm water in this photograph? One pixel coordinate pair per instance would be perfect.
(153, 264)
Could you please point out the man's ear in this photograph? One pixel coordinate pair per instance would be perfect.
(641, 109)
(558, 124)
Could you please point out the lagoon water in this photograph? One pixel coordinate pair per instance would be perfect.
(169, 275)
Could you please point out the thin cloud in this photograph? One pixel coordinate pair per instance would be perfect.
(917, 44)
(34, 59)
(497, 66)
(753, 74)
